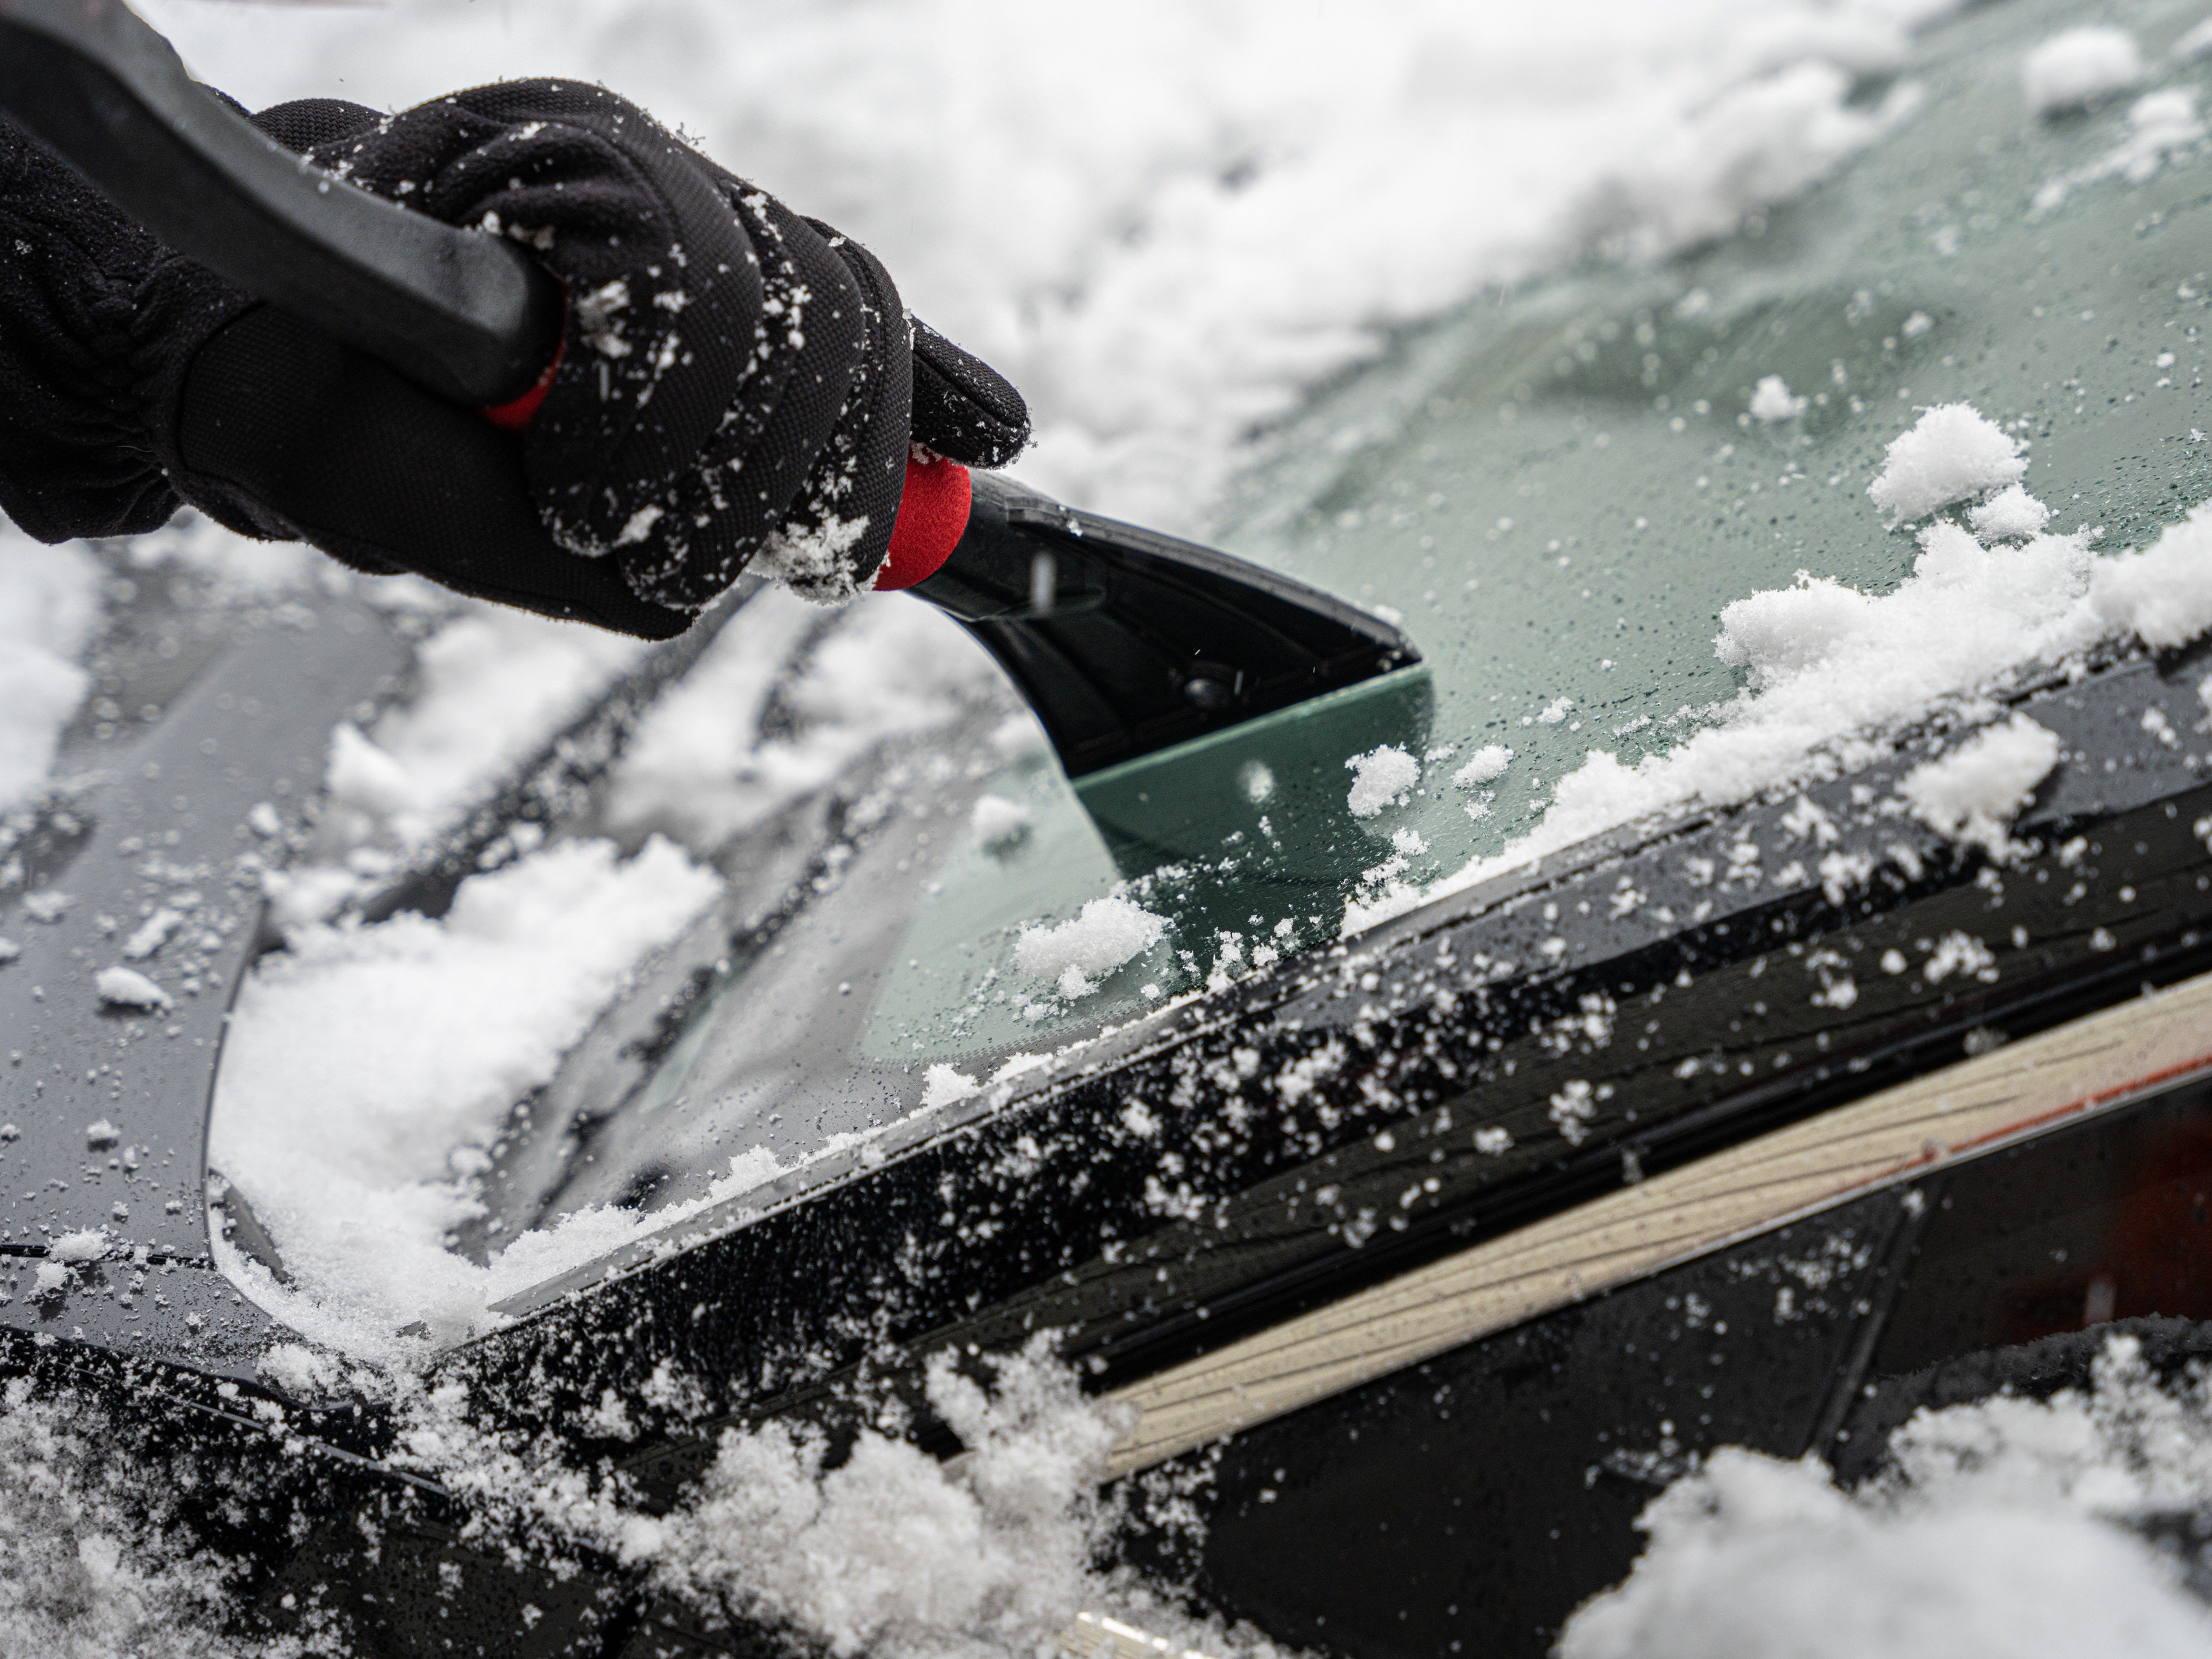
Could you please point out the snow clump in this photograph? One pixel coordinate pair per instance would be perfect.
(89, 1245)
(1076, 955)
(1484, 766)
(2010, 515)
(1972, 794)
(126, 987)
(1770, 401)
(2077, 66)
(1952, 452)
(1381, 777)
(997, 822)
(1986, 1536)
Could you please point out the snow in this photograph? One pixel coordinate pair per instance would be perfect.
(1832, 672)
(1985, 1540)
(700, 769)
(2160, 125)
(1952, 452)
(151, 934)
(49, 609)
(2010, 515)
(1075, 955)
(995, 821)
(94, 1565)
(1381, 777)
(2163, 595)
(1972, 794)
(88, 1245)
(1483, 766)
(342, 1137)
(1771, 400)
(494, 686)
(946, 1085)
(2077, 66)
(126, 987)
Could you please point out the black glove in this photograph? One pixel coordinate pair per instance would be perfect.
(734, 379)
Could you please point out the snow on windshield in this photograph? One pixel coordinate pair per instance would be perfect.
(1161, 290)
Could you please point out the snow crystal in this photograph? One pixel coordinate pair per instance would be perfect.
(1771, 400)
(997, 822)
(1485, 765)
(1075, 955)
(126, 987)
(2012, 514)
(1972, 794)
(2077, 66)
(1952, 452)
(1381, 777)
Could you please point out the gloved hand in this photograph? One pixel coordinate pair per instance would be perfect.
(735, 382)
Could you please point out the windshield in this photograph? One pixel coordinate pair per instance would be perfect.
(1558, 493)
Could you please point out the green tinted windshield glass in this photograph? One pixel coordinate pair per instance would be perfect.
(1556, 492)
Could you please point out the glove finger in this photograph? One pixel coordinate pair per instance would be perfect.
(302, 437)
(963, 408)
(838, 527)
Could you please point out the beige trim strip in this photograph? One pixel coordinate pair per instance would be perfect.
(2092, 1063)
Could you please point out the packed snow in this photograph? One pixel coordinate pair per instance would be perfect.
(1382, 777)
(1485, 765)
(1972, 794)
(1992, 1536)
(1952, 452)
(357, 1150)
(2077, 66)
(126, 987)
(1075, 955)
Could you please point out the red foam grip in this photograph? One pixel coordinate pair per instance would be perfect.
(932, 513)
